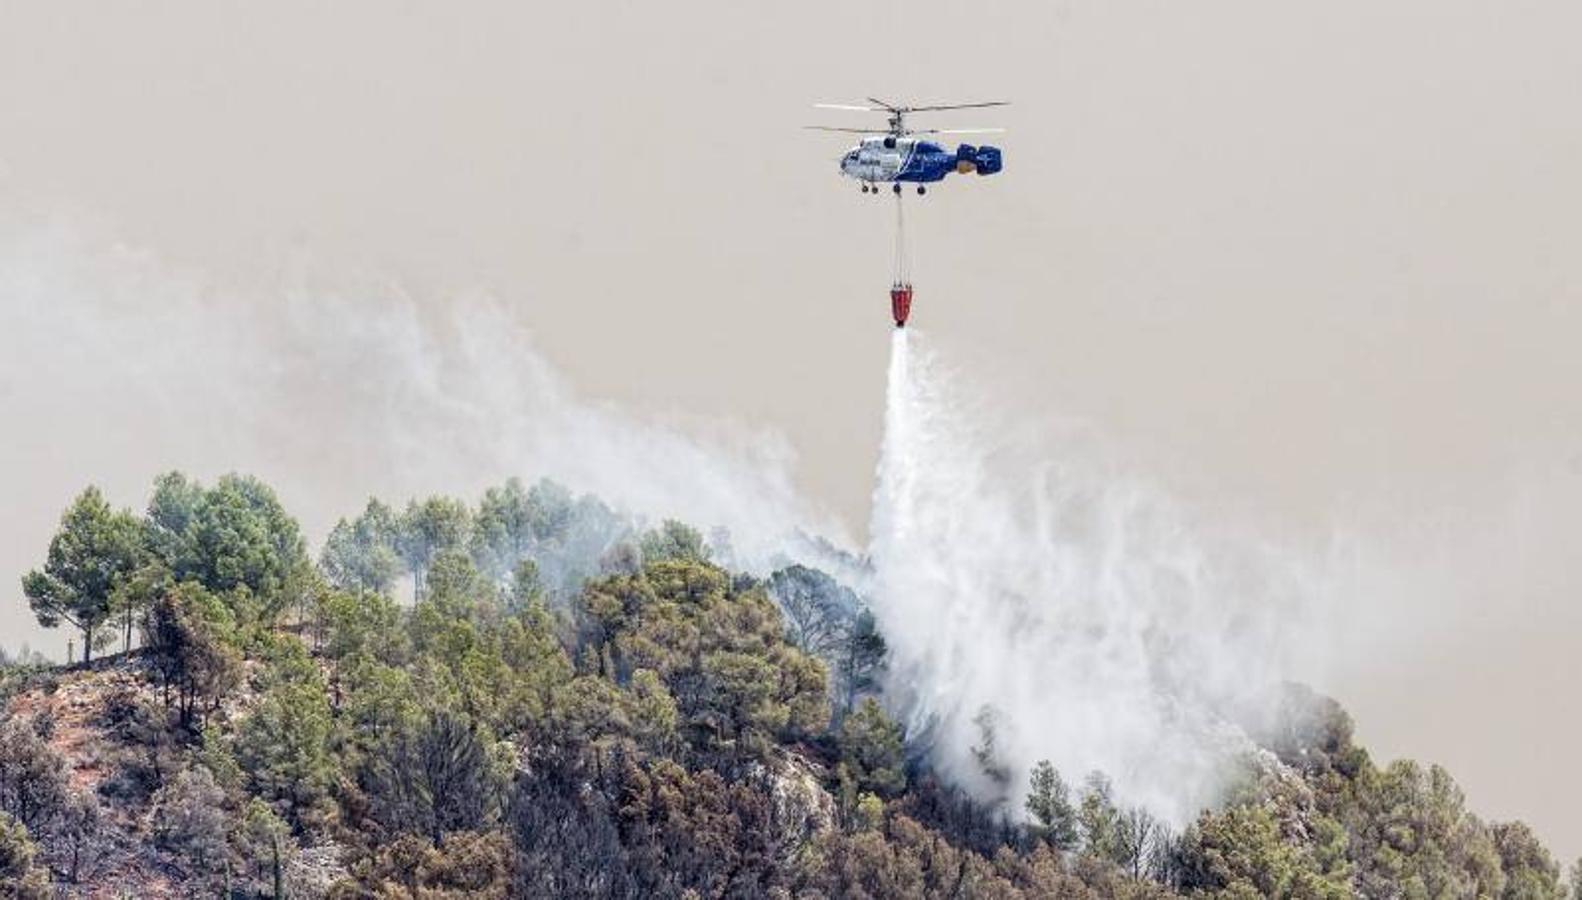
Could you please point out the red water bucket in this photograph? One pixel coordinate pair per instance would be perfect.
(900, 303)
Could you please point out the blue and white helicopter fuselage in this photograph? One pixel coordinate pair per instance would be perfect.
(891, 159)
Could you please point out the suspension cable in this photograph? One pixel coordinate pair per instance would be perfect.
(903, 273)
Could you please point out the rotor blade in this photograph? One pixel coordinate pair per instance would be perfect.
(889, 106)
(958, 106)
(961, 131)
(847, 130)
(846, 106)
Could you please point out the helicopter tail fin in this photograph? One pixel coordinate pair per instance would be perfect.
(983, 160)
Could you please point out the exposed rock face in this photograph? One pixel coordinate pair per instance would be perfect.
(802, 808)
(314, 870)
(1284, 793)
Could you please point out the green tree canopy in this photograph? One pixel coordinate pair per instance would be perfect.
(720, 648)
(94, 549)
(505, 529)
(233, 536)
(435, 525)
(673, 541)
(284, 746)
(172, 510)
(361, 554)
(1240, 853)
(1049, 803)
(871, 749)
(819, 610)
(859, 660)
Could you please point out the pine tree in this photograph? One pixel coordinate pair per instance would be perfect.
(1049, 803)
(95, 548)
(870, 748)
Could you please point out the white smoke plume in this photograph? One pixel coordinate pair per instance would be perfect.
(1026, 586)
(337, 393)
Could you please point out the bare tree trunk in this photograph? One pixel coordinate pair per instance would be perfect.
(280, 881)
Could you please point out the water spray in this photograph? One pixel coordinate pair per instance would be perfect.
(1052, 609)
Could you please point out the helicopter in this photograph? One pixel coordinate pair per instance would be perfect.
(896, 155)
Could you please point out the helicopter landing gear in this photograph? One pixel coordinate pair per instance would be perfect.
(865, 189)
(921, 190)
(896, 187)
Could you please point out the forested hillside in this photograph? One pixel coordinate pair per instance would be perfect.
(535, 696)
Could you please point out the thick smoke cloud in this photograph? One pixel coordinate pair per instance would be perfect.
(1029, 590)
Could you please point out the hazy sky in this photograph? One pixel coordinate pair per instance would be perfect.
(1314, 269)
